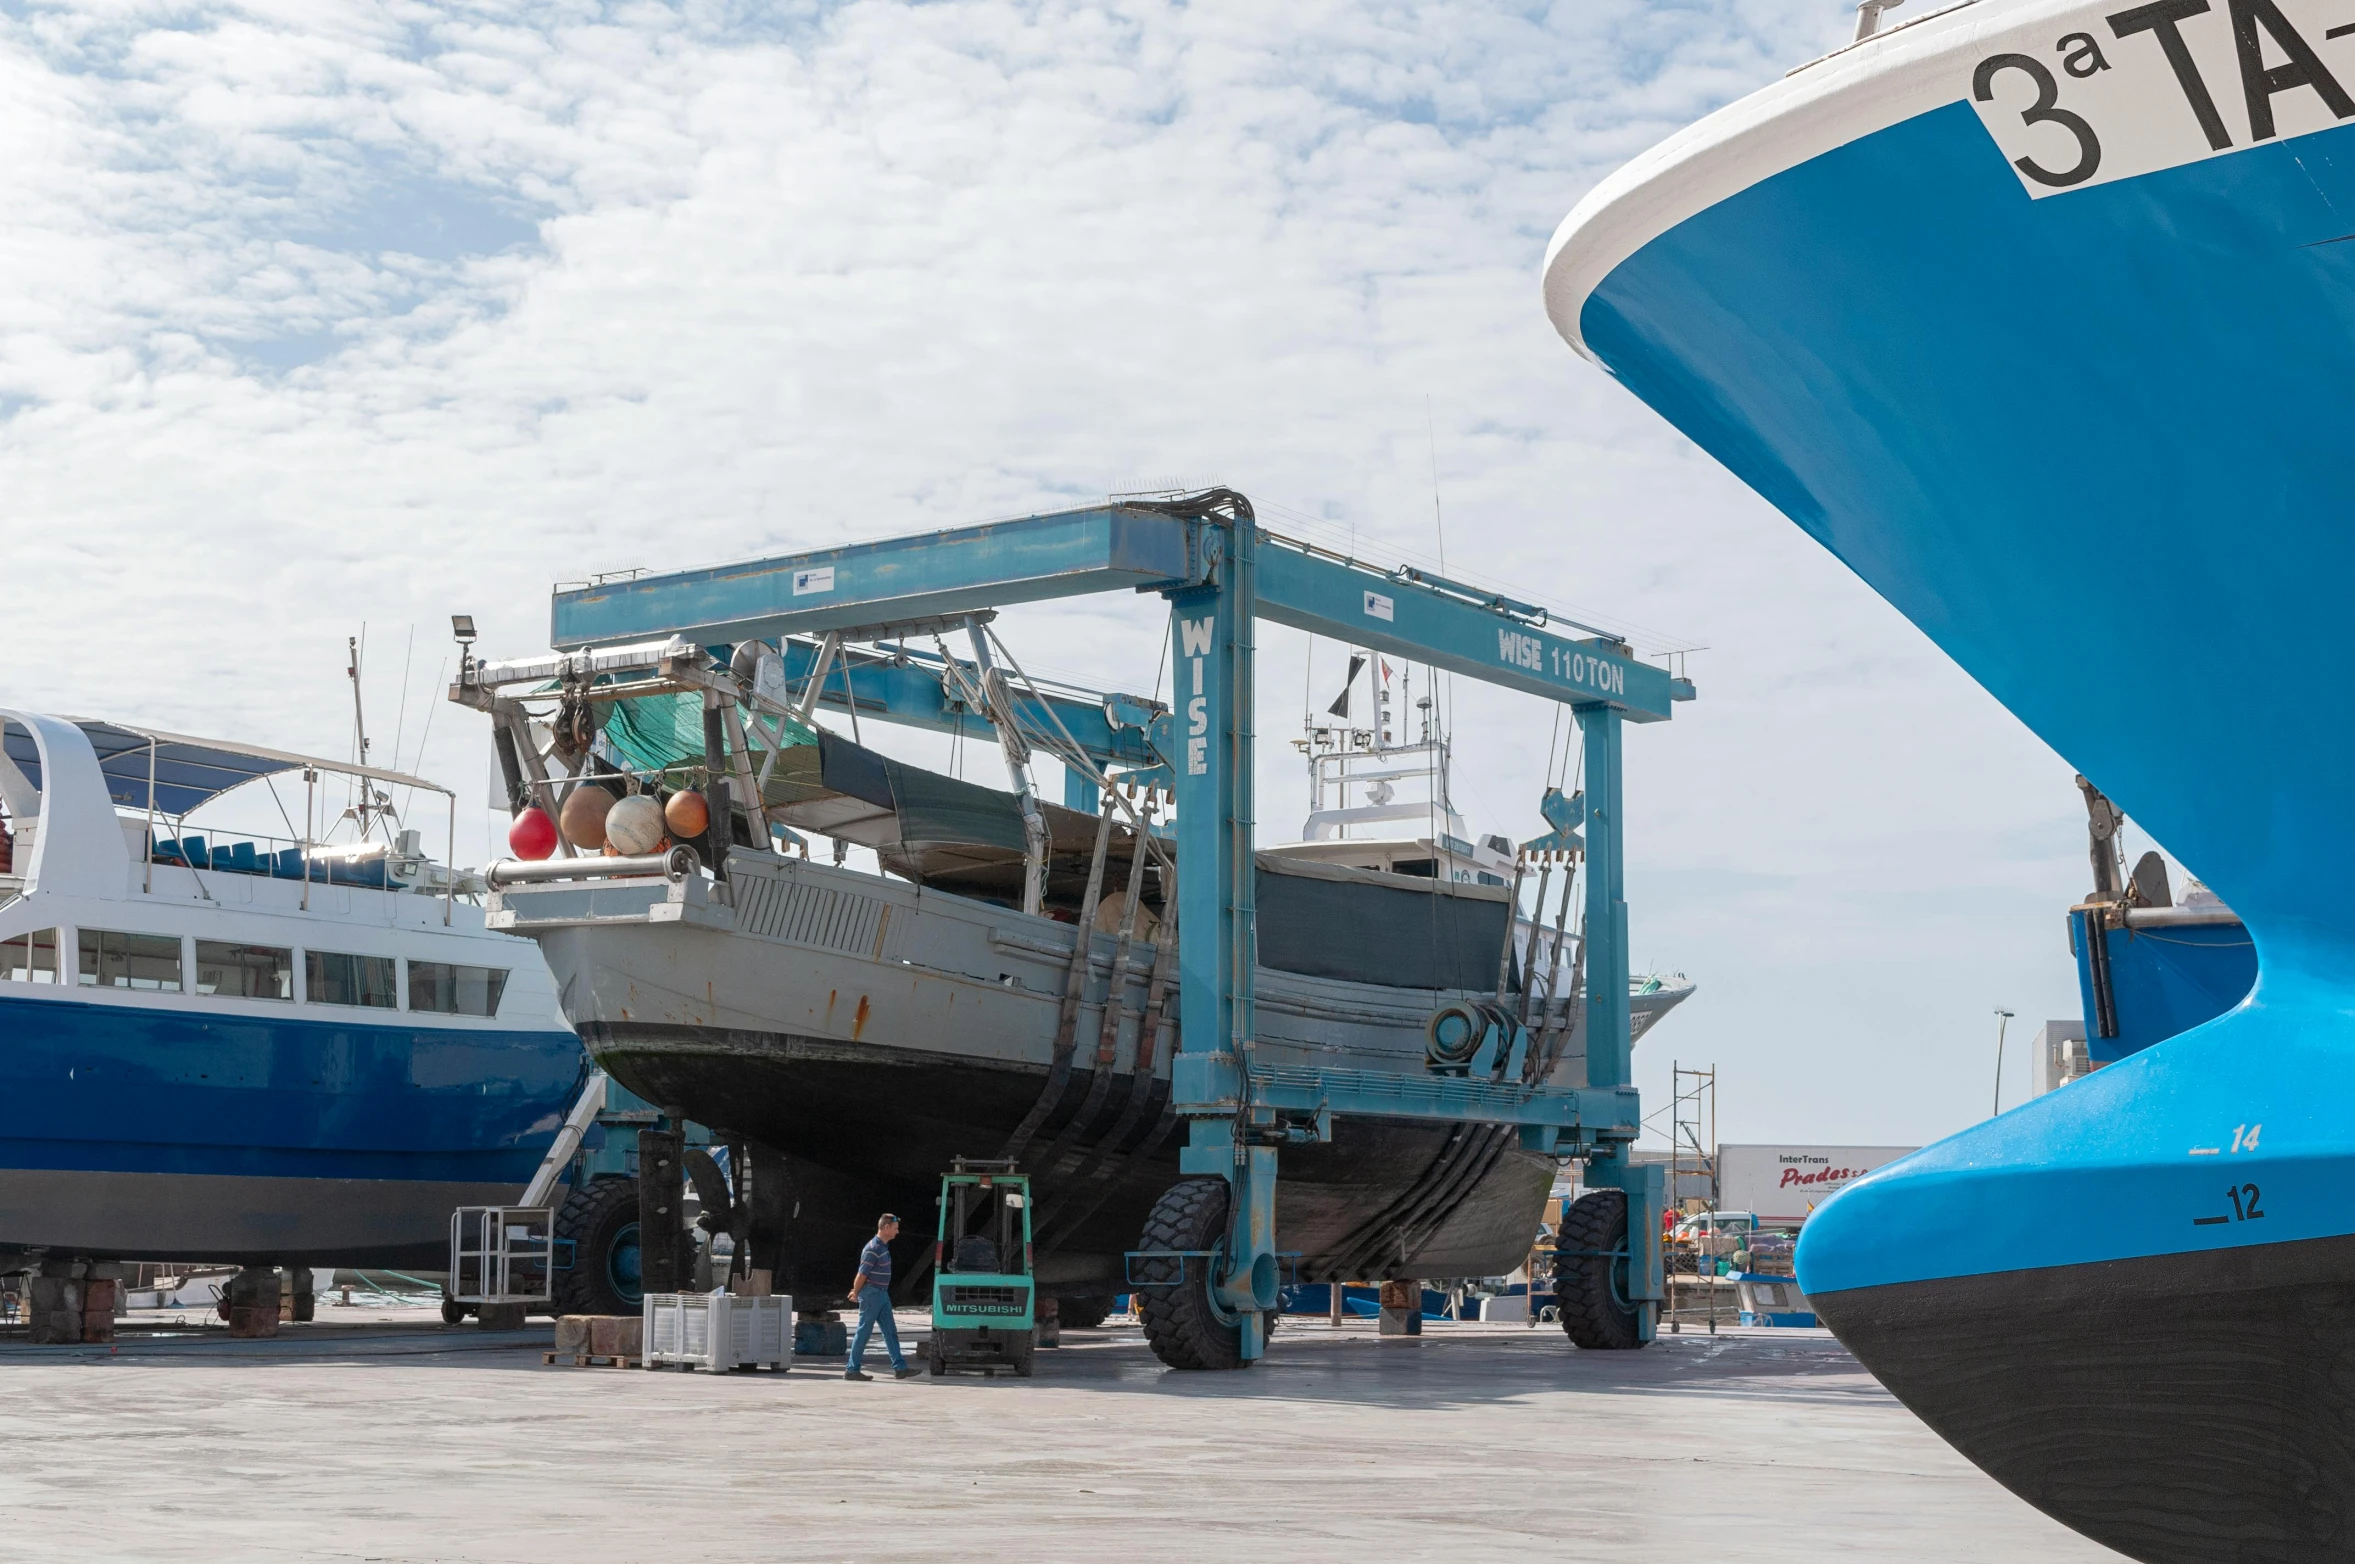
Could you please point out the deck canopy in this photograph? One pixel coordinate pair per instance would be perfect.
(187, 772)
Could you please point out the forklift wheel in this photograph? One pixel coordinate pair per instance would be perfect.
(940, 1365)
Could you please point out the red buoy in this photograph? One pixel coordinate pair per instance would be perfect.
(533, 835)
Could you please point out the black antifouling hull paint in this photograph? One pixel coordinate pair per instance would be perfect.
(864, 1128)
(2184, 1409)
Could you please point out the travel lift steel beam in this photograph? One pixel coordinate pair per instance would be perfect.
(1219, 572)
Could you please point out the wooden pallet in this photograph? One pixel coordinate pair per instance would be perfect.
(591, 1360)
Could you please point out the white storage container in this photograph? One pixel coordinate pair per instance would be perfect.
(718, 1330)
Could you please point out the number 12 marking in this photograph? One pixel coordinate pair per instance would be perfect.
(2244, 1207)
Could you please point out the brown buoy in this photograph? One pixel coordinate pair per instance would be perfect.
(687, 815)
(583, 817)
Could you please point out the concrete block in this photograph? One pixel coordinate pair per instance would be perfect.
(99, 1299)
(617, 1336)
(252, 1296)
(820, 1336)
(500, 1316)
(572, 1333)
(53, 1330)
(1402, 1309)
(53, 1310)
(253, 1321)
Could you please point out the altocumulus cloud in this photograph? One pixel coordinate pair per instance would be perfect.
(315, 314)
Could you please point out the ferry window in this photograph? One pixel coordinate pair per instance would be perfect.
(29, 958)
(332, 978)
(1425, 868)
(244, 971)
(111, 960)
(454, 990)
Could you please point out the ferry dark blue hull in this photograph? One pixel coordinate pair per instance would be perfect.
(2042, 319)
(150, 1133)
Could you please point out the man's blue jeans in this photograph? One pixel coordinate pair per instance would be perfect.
(874, 1310)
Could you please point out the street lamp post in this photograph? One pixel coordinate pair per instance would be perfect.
(2003, 1019)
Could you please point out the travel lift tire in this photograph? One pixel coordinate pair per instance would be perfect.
(1590, 1274)
(601, 1219)
(1185, 1326)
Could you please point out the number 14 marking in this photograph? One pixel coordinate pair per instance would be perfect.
(2244, 1137)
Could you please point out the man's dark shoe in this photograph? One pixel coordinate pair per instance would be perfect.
(855, 1374)
(905, 1373)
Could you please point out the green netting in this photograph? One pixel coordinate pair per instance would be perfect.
(664, 733)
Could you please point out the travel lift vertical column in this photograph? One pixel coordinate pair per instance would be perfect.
(1212, 673)
(1610, 1047)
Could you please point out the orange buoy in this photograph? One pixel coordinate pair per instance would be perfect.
(687, 814)
(533, 835)
(583, 818)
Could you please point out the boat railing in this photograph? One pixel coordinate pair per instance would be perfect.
(280, 858)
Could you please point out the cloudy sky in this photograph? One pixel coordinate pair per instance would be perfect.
(323, 315)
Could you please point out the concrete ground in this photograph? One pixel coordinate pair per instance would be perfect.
(376, 1435)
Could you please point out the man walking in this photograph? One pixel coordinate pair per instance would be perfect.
(872, 1288)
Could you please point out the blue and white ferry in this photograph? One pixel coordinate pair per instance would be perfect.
(2040, 315)
(251, 1050)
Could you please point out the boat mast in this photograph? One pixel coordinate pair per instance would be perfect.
(359, 727)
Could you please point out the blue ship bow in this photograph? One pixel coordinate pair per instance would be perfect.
(2041, 317)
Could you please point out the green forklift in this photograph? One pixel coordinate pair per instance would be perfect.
(984, 1306)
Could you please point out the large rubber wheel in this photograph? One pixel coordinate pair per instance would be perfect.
(1022, 1353)
(1591, 1268)
(601, 1219)
(1084, 1313)
(1185, 1326)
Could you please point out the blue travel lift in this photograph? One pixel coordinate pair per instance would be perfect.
(1206, 555)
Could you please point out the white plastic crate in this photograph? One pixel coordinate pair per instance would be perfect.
(718, 1330)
